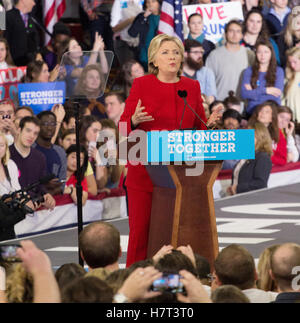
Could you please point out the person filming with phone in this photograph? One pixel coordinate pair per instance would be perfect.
(7, 118)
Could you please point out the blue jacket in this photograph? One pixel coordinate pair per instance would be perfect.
(274, 25)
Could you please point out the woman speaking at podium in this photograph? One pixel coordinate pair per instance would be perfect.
(154, 104)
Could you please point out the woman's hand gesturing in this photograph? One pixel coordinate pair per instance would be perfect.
(139, 116)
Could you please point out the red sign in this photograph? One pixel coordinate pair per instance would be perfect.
(9, 79)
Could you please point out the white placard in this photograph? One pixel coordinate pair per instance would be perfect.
(215, 16)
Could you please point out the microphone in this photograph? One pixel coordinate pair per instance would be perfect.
(183, 94)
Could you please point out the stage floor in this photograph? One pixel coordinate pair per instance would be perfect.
(255, 220)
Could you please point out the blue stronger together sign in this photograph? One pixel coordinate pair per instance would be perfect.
(190, 145)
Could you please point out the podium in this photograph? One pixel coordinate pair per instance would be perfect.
(183, 209)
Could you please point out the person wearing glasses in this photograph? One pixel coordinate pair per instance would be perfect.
(55, 155)
(194, 69)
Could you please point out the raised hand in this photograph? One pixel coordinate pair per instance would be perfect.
(137, 285)
(216, 115)
(195, 292)
(98, 43)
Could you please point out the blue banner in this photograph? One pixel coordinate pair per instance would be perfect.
(194, 145)
(41, 96)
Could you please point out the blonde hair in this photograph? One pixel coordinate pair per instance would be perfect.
(100, 273)
(289, 72)
(155, 45)
(19, 285)
(289, 31)
(263, 138)
(265, 282)
(6, 157)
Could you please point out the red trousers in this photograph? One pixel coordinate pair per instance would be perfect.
(139, 212)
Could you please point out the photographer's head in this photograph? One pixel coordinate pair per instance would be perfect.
(285, 266)
(235, 266)
(99, 243)
(87, 290)
(174, 262)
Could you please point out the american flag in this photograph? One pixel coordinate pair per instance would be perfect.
(53, 10)
(170, 22)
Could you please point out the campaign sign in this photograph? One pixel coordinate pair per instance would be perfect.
(215, 17)
(9, 79)
(41, 96)
(195, 145)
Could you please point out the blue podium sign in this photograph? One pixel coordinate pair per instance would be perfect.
(194, 145)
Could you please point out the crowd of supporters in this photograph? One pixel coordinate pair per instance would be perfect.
(170, 276)
(253, 72)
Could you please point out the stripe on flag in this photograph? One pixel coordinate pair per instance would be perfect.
(53, 11)
(170, 22)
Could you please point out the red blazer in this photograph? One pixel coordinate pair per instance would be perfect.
(163, 103)
(279, 156)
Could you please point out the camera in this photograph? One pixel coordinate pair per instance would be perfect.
(168, 283)
(8, 253)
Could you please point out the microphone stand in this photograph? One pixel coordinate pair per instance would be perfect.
(183, 95)
(195, 113)
(182, 114)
